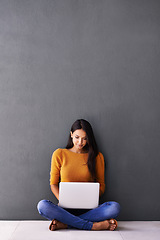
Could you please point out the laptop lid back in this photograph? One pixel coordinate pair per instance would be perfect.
(80, 195)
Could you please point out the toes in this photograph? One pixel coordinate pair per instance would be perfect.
(54, 222)
(113, 221)
(52, 226)
(113, 227)
(113, 224)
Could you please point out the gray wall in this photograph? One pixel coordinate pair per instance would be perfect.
(66, 59)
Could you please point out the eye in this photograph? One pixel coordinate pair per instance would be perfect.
(76, 137)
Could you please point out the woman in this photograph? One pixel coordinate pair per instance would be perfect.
(80, 161)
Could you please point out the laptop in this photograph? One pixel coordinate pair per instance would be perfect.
(79, 195)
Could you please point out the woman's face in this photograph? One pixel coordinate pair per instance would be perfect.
(79, 139)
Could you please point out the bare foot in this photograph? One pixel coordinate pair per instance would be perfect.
(55, 225)
(105, 225)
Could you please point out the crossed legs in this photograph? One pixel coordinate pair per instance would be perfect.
(95, 219)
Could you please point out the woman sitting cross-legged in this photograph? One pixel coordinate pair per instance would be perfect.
(80, 161)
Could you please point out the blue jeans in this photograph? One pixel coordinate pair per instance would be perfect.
(84, 221)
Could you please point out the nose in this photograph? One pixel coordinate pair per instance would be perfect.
(80, 140)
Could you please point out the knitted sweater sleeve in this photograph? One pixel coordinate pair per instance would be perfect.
(100, 172)
(56, 162)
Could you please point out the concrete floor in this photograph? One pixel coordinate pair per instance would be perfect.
(38, 230)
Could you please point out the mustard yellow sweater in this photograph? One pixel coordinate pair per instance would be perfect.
(67, 166)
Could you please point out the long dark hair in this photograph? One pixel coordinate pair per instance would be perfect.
(91, 146)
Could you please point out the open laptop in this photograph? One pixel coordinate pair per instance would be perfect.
(79, 195)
